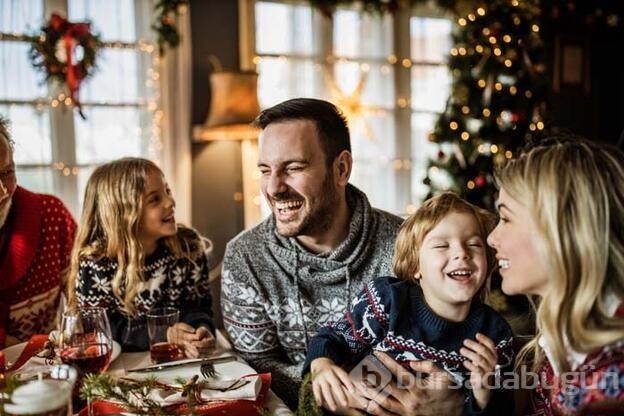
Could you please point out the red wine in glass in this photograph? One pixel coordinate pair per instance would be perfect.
(161, 352)
(91, 358)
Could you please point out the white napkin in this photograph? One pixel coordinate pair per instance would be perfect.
(34, 363)
(248, 391)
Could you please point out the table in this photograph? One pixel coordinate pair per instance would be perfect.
(128, 360)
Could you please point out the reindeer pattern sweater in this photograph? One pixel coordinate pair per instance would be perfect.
(392, 316)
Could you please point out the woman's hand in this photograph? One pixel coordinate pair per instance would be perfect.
(331, 385)
(195, 342)
(481, 361)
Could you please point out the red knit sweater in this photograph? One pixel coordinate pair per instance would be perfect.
(35, 247)
(597, 389)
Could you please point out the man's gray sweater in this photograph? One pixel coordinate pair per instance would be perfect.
(276, 294)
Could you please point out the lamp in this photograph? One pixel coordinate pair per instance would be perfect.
(234, 104)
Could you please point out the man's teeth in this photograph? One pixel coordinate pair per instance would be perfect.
(503, 264)
(288, 205)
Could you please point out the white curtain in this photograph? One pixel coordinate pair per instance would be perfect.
(175, 74)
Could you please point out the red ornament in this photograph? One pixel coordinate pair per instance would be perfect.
(441, 154)
(480, 181)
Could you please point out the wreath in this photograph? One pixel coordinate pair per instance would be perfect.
(65, 52)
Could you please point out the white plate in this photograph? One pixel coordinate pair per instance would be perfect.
(12, 353)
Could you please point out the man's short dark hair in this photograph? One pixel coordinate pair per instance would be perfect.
(331, 124)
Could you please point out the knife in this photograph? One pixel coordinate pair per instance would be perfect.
(175, 364)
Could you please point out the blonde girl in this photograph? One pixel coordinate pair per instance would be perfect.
(130, 255)
(560, 239)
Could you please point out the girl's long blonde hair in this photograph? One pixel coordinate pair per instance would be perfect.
(405, 262)
(109, 226)
(574, 190)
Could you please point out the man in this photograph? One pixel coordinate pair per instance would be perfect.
(36, 236)
(300, 267)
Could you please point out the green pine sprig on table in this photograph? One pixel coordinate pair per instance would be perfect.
(131, 394)
(307, 403)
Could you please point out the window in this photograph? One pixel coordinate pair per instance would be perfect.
(55, 149)
(387, 73)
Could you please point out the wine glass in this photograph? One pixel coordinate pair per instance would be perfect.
(86, 342)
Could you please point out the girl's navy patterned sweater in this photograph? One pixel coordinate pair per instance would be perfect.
(392, 316)
(168, 281)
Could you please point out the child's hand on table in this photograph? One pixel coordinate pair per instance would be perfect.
(196, 342)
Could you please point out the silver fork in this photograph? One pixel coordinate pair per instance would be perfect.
(208, 370)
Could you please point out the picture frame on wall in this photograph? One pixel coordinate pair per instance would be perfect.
(571, 72)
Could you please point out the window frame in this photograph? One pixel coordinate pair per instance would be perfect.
(62, 123)
(407, 176)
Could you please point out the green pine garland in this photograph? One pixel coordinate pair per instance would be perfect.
(328, 7)
(164, 25)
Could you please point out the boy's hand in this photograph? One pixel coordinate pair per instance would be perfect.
(330, 385)
(481, 361)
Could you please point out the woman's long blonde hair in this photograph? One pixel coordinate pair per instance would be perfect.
(109, 226)
(413, 231)
(574, 190)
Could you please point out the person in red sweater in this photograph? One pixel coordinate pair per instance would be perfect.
(36, 237)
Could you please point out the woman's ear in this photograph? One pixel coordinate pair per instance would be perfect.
(342, 167)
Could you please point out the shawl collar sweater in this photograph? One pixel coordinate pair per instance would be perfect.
(276, 294)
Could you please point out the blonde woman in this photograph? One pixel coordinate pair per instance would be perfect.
(561, 239)
(130, 256)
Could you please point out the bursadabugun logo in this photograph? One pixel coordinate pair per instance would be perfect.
(375, 375)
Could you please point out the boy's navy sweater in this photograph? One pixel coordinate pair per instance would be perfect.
(392, 316)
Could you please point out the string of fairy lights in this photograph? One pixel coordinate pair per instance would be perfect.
(151, 102)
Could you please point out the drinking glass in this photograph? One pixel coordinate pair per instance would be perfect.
(159, 320)
(43, 391)
(85, 342)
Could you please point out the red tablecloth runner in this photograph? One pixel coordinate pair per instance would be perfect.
(34, 346)
(221, 408)
(37, 342)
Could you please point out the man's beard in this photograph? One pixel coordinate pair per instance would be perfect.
(4, 212)
(319, 220)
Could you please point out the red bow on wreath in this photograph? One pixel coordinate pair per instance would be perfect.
(71, 70)
(71, 32)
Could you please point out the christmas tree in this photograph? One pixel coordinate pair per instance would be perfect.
(497, 99)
